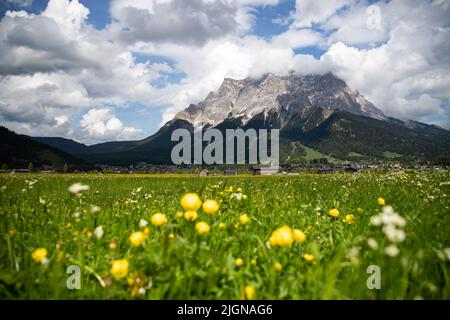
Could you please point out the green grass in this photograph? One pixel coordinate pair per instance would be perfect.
(190, 266)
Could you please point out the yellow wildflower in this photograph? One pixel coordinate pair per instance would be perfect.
(249, 291)
(191, 215)
(210, 206)
(309, 257)
(281, 237)
(348, 219)
(239, 262)
(171, 236)
(39, 254)
(146, 231)
(137, 238)
(381, 201)
(202, 228)
(244, 219)
(278, 267)
(334, 212)
(119, 268)
(179, 214)
(191, 202)
(222, 225)
(299, 235)
(158, 219)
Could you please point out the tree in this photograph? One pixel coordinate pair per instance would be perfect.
(4, 167)
(30, 167)
(65, 168)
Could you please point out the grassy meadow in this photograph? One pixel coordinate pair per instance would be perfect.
(271, 238)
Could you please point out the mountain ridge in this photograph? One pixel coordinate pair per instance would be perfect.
(317, 111)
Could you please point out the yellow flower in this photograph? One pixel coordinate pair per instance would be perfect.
(137, 238)
(171, 236)
(146, 231)
(39, 254)
(254, 262)
(282, 237)
(239, 262)
(202, 228)
(381, 201)
(360, 210)
(278, 267)
(179, 214)
(244, 196)
(309, 257)
(334, 212)
(244, 219)
(348, 219)
(191, 202)
(239, 189)
(299, 235)
(222, 225)
(249, 291)
(191, 215)
(158, 219)
(210, 206)
(119, 268)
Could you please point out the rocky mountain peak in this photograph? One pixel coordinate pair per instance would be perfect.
(285, 96)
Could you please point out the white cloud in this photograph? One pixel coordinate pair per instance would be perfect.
(309, 12)
(103, 125)
(299, 38)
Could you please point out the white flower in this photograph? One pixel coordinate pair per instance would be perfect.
(376, 220)
(372, 243)
(99, 232)
(237, 196)
(95, 209)
(45, 261)
(77, 188)
(392, 250)
(143, 223)
(76, 214)
(41, 201)
(141, 291)
(393, 234)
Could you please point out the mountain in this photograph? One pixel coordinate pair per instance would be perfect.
(17, 151)
(319, 116)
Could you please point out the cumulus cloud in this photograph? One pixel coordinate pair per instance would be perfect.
(103, 125)
(188, 21)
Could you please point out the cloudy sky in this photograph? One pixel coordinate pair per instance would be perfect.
(97, 70)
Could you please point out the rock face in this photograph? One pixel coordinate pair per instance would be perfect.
(285, 97)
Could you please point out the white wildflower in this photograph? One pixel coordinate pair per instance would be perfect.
(95, 209)
(372, 243)
(99, 232)
(76, 214)
(376, 220)
(77, 188)
(143, 223)
(237, 196)
(392, 250)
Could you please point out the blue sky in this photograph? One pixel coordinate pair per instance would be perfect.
(127, 71)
